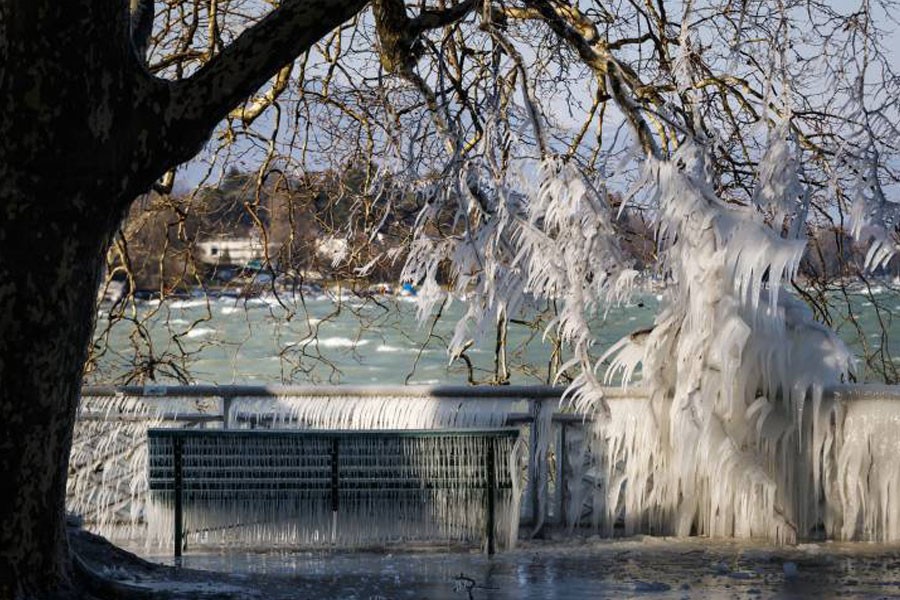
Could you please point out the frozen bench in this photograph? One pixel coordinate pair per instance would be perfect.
(307, 487)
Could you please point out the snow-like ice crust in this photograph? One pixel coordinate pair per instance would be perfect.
(738, 438)
(108, 484)
(738, 441)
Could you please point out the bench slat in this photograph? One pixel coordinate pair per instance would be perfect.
(234, 472)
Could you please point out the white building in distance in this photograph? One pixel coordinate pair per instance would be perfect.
(231, 251)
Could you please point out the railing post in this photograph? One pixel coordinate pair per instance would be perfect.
(561, 472)
(334, 487)
(178, 491)
(491, 486)
(534, 407)
(226, 412)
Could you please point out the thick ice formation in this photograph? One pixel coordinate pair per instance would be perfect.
(369, 412)
(736, 369)
(541, 231)
(242, 489)
(108, 483)
(569, 252)
(779, 192)
(738, 438)
(873, 218)
(107, 480)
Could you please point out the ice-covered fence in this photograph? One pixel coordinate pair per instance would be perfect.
(108, 484)
(344, 488)
(862, 475)
(836, 477)
(839, 476)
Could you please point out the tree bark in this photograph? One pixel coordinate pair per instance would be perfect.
(84, 129)
(64, 73)
(49, 270)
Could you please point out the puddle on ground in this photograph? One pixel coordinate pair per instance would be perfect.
(635, 568)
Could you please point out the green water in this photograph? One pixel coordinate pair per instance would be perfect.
(330, 338)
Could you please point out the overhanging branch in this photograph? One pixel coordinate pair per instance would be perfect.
(399, 36)
(249, 112)
(199, 103)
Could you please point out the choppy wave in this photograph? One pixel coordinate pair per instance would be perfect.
(185, 304)
(396, 349)
(200, 332)
(327, 342)
(341, 342)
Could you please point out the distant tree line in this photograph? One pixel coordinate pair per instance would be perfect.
(157, 251)
(157, 247)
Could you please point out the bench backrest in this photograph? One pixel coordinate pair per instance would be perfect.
(304, 487)
(282, 463)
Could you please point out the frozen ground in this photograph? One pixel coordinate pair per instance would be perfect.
(592, 568)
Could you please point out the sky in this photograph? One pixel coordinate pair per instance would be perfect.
(191, 174)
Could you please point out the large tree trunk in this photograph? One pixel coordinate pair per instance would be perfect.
(83, 130)
(64, 144)
(50, 261)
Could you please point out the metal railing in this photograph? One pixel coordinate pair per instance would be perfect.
(533, 408)
(536, 409)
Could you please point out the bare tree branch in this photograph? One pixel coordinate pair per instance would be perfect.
(200, 102)
(250, 111)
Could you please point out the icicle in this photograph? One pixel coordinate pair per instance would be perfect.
(779, 191)
(873, 218)
(107, 482)
(241, 489)
(371, 412)
(726, 445)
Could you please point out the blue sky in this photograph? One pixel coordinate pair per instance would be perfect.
(191, 174)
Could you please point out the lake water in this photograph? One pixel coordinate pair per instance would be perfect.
(324, 338)
(343, 338)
